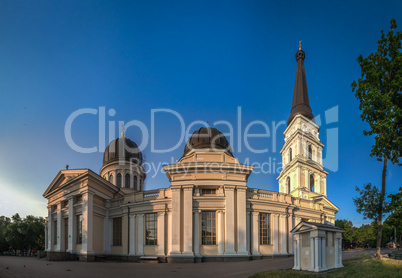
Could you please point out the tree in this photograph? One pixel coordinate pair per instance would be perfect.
(369, 201)
(348, 236)
(25, 234)
(379, 92)
(4, 222)
(394, 220)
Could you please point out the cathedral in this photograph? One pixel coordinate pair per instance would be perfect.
(208, 213)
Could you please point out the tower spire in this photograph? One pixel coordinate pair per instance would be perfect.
(301, 104)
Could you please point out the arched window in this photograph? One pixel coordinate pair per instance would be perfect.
(118, 180)
(309, 152)
(135, 183)
(111, 178)
(312, 183)
(127, 181)
(288, 185)
(290, 154)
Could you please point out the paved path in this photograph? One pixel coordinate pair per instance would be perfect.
(32, 267)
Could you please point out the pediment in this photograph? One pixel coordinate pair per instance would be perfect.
(326, 203)
(62, 178)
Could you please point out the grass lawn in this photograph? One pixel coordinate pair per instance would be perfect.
(366, 266)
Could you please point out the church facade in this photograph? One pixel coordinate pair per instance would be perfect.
(207, 214)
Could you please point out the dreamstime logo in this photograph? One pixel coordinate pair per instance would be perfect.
(243, 136)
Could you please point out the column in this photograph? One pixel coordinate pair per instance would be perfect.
(325, 186)
(49, 229)
(317, 254)
(298, 176)
(299, 251)
(312, 253)
(241, 222)
(188, 220)
(323, 253)
(336, 253)
(197, 232)
(306, 179)
(132, 235)
(248, 232)
(87, 221)
(318, 187)
(255, 231)
(46, 238)
(161, 233)
(175, 234)
(140, 236)
(340, 252)
(276, 232)
(106, 230)
(284, 235)
(296, 247)
(59, 228)
(169, 240)
(220, 233)
(299, 152)
(229, 221)
(70, 247)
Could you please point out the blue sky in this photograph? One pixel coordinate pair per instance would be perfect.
(202, 59)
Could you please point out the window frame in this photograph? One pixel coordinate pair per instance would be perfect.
(117, 233)
(151, 225)
(264, 224)
(78, 223)
(208, 224)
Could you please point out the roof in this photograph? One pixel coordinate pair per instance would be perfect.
(301, 104)
(310, 226)
(207, 138)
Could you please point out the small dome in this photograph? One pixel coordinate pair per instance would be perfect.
(207, 138)
(122, 149)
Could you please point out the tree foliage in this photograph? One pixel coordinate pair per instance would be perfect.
(22, 233)
(368, 203)
(379, 92)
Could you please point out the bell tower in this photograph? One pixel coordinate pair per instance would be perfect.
(302, 174)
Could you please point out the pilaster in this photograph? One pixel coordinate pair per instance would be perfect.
(161, 233)
(59, 228)
(229, 221)
(132, 234)
(197, 232)
(220, 233)
(71, 237)
(140, 237)
(87, 223)
(241, 221)
(284, 234)
(255, 230)
(276, 233)
(175, 219)
(188, 220)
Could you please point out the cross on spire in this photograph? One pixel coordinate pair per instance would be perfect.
(122, 128)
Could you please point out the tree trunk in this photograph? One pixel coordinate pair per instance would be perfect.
(382, 196)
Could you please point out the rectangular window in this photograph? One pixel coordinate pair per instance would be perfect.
(79, 228)
(265, 228)
(208, 228)
(151, 229)
(208, 191)
(117, 231)
(55, 232)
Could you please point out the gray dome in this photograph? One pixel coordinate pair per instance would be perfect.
(207, 137)
(122, 149)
